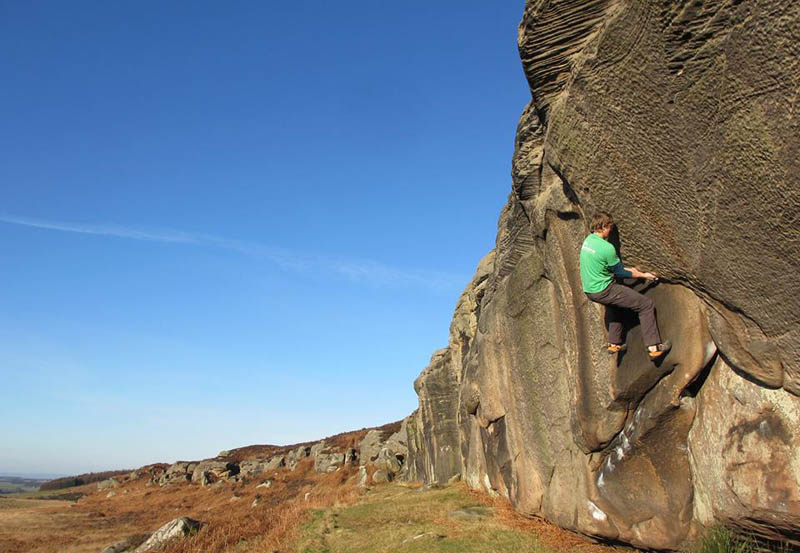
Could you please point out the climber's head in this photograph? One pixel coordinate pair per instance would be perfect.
(602, 223)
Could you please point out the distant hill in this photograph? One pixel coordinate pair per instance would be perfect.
(80, 480)
(16, 484)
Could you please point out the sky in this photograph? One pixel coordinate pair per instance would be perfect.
(234, 223)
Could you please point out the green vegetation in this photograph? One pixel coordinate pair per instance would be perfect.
(14, 485)
(720, 539)
(395, 518)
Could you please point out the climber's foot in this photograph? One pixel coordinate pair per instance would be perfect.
(613, 349)
(659, 350)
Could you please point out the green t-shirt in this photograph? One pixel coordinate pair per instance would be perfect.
(597, 258)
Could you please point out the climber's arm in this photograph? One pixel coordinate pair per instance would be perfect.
(630, 272)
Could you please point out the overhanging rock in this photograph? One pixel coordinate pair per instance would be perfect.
(679, 118)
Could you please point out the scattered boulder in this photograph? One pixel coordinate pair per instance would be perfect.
(294, 456)
(328, 462)
(177, 473)
(370, 446)
(251, 468)
(206, 471)
(388, 461)
(107, 484)
(265, 484)
(381, 476)
(275, 463)
(470, 513)
(175, 529)
(362, 476)
(317, 448)
(433, 535)
(398, 442)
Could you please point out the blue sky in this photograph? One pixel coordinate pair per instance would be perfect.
(235, 223)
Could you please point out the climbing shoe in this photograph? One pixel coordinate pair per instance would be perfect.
(660, 350)
(613, 349)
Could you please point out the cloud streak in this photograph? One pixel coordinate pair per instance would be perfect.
(356, 270)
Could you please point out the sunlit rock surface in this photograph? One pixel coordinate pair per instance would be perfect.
(680, 118)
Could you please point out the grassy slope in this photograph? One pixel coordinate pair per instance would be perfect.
(396, 518)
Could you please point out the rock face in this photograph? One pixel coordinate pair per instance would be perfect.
(681, 119)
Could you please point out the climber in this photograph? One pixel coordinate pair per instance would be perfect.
(599, 264)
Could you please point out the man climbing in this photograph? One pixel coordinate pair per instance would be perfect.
(599, 263)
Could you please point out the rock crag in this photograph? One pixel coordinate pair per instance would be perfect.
(681, 119)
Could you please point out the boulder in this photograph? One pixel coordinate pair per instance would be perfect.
(398, 442)
(108, 484)
(254, 467)
(328, 462)
(470, 514)
(372, 443)
(677, 118)
(177, 472)
(370, 446)
(382, 476)
(388, 461)
(173, 530)
(207, 471)
(296, 455)
(362, 476)
(317, 448)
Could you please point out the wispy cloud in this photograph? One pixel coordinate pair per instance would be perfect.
(358, 270)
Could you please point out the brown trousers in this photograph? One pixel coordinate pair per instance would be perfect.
(617, 296)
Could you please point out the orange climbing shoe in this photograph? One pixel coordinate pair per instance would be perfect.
(616, 348)
(661, 349)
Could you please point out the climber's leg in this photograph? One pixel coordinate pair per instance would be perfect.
(614, 324)
(617, 295)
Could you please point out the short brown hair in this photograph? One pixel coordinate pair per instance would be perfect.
(601, 220)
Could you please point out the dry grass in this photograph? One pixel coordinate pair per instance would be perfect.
(301, 511)
(271, 526)
(231, 522)
(552, 536)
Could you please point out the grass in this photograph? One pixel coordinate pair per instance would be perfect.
(396, 518)
(721, 539)
(300, 511)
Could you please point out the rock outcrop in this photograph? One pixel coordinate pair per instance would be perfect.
(681, 119)
(173, 530)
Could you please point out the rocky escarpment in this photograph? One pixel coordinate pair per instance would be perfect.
(680, 118)
(383, 449)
